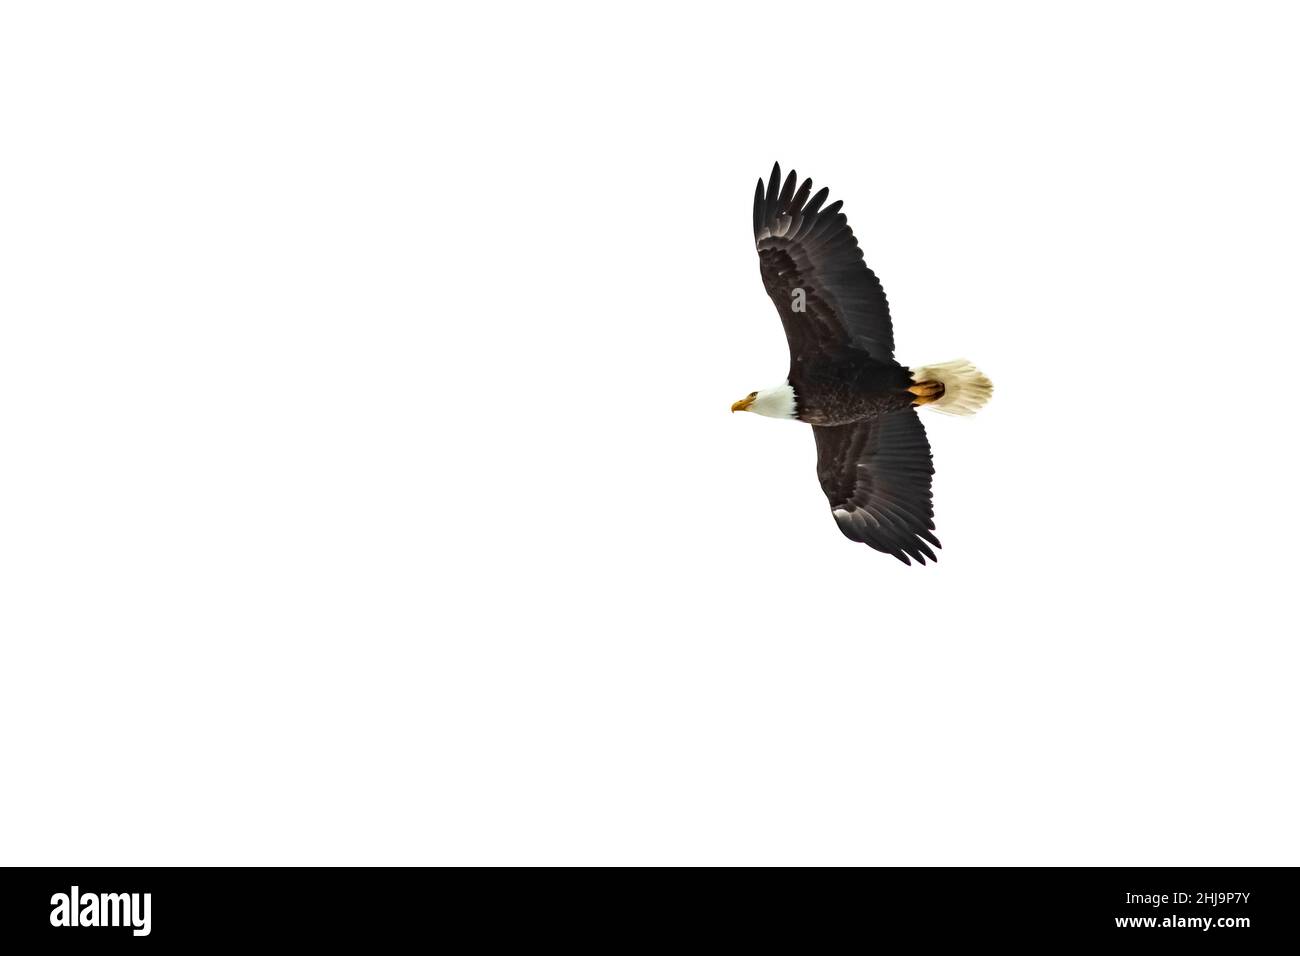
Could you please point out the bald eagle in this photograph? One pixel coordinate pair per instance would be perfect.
(873, 459)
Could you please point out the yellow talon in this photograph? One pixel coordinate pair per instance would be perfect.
(927, 392)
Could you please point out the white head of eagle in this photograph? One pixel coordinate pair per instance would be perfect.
(776, 402)
(873, 458)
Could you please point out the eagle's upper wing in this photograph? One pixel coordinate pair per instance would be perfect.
(877, 476)
(802, 246)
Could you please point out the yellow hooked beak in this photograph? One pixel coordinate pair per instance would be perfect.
(744, 403)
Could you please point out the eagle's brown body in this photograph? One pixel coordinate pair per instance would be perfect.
(838, 390)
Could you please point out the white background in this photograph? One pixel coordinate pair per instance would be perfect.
(369, 491)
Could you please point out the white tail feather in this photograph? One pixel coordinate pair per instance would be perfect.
(965, 388)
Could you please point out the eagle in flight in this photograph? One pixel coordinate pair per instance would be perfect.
(873, 459)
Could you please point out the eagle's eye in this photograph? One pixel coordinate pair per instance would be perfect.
(753, 394)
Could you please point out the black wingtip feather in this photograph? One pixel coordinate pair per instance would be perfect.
(817, 200)
(787, 193)
(801, 197)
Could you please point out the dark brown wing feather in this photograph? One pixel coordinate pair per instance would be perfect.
(803, 246)
(877, 475)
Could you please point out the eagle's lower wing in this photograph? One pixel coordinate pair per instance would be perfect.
(877, 477)
(813, 270)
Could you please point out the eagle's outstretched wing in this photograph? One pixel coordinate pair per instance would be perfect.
(802, 246)
(877, 476)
